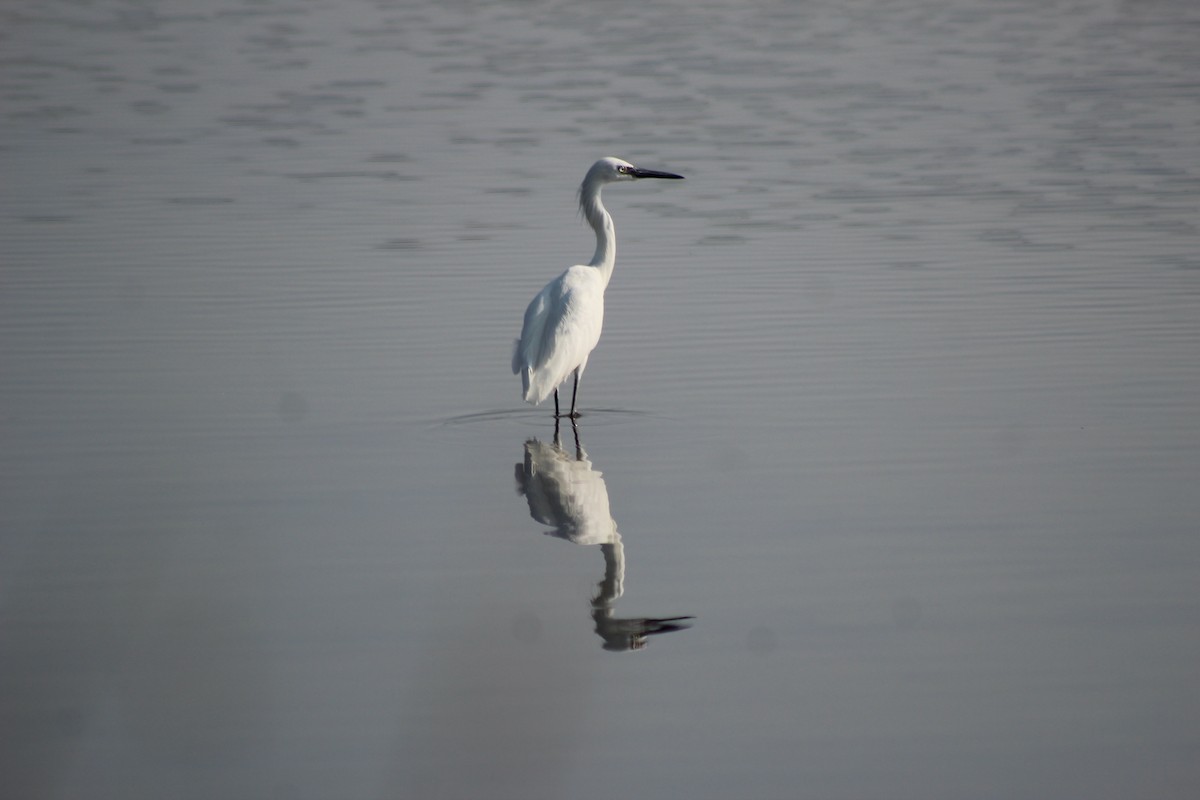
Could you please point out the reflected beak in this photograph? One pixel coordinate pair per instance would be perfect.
(653, 173)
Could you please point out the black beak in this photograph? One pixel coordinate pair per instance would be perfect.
(653, 173)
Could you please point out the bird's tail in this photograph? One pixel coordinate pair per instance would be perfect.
(530, 391)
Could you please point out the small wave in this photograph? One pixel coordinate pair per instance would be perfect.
(594, 416)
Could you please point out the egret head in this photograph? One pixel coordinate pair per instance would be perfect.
(610, 170)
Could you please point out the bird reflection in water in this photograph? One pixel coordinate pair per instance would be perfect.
(565, 493)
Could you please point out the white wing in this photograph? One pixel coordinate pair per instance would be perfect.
(562, 327)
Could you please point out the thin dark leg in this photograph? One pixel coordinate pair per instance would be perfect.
(557, 437)
(575, 397)
(556, 414)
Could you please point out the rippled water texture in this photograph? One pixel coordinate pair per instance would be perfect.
(886, 480)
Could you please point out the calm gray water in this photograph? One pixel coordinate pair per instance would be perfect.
(897, 397)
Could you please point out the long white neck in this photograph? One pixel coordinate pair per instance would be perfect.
(601, 221)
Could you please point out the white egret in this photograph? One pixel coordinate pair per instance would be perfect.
(562, 323)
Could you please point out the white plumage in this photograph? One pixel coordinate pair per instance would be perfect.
(563, 322)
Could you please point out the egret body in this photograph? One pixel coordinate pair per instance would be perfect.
(562, 323)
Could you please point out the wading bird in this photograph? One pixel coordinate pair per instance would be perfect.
(562, 323)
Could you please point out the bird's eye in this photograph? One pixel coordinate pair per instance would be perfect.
(623, 169)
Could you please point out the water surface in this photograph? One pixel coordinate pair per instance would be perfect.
(895, 398)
